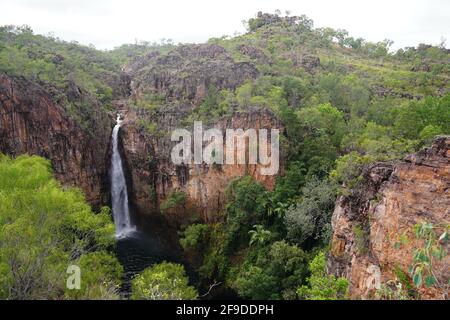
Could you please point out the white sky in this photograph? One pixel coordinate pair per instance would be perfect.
(108, 24)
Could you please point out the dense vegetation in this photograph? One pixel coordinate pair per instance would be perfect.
(44, 229)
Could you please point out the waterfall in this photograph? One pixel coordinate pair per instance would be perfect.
(119, 193)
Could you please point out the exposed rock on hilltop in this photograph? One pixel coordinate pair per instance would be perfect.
(187, 72)
(391, 200)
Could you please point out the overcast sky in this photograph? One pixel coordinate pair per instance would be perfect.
(108, 24)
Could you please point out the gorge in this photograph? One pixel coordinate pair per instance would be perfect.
(364, 153)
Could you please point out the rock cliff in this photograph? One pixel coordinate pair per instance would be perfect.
(153, 176)
(34, 121)
(392, 199)
(31, 122)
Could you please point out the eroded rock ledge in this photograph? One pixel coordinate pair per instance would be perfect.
(392, 199)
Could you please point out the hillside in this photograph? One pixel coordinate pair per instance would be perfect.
(342, 105)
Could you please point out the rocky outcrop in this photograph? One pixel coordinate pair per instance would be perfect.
(31, 122)
(187, 72)
(382, 212)
(255, 53)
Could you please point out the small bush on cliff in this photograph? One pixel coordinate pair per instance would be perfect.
(348, 170)
(175, 199)
(194, 236)
(164, 281)
(322, 286)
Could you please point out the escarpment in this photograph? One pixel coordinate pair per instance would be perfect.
(373, 242)
(32, 122)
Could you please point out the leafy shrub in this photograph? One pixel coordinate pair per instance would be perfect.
(175, 199)
(322, 286)
(271, 275)
(433, 249)
(194, 236)
(164, 281)
(100, 277)
(310, 218)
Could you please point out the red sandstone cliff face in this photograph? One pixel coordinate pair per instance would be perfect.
(392, 200)
(32, 123)
(154, 177)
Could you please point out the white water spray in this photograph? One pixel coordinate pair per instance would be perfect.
(119, 193)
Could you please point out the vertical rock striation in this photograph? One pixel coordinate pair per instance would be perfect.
(31, 122)
(392, 199)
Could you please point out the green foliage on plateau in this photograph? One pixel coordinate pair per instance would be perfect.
(56, 62)
(44, 229)
(129, 52)
(164, 281)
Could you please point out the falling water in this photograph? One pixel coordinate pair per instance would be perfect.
(119, 193)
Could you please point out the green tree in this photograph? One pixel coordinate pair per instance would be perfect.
(322, 286)
(253, 283)
(416, 117)
(45, 228)
(193, 238)
(100, 277)
(310, 218)
(259, 236)
(164, 281)
(275, 274)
